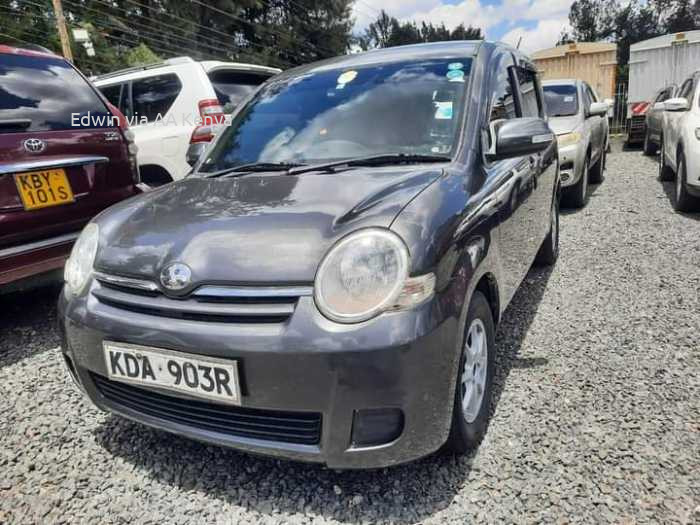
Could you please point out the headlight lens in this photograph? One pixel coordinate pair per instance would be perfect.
(82, 257)
(567, 139)
(361, 276)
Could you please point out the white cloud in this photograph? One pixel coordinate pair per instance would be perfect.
(467, 12)
(545, 34)
(551, 16)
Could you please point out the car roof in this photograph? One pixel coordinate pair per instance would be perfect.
(207, 65)
(12, 50)
(453, 49)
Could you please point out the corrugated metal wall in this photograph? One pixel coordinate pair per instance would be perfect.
(652, 69)
(598, 69)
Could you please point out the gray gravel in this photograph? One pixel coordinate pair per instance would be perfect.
(597, 417)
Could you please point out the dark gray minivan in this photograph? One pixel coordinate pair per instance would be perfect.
(325, 285)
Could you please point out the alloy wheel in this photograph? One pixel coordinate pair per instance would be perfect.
(474, 372)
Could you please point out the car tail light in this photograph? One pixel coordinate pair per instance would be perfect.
(131, 147)
(211, 111)
(202, 134)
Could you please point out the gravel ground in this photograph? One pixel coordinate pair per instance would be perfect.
(597, 413)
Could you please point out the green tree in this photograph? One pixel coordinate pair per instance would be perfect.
(387, 31)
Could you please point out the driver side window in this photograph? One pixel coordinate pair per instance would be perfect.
(502, 104)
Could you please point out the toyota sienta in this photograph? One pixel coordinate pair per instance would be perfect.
(325, 285)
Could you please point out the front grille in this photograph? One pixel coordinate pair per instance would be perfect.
(216, 304)
(303, 428)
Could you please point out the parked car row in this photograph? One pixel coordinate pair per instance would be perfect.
(326, 283)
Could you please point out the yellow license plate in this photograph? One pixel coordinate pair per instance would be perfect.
(39, 189)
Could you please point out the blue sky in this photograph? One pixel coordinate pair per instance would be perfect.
(538, 22)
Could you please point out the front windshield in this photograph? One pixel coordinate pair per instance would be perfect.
(561, 100)
(407, 107)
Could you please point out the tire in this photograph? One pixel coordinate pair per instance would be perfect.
(476, 367)
(576, 196)
(665, 172)
(649, 148)
(596, 173)
(683, 201)
(549, 251)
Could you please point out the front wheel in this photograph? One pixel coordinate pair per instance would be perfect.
(683, 201)
(665, 172)
(472, 402)
(596, 175)
(576, 196)
(649, 147)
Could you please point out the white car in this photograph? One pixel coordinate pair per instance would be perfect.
(164, 101)
(580, 122)
(680, 144)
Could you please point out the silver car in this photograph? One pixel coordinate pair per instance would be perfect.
(579, 119)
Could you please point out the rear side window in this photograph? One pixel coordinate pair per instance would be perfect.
(528, 93)
(45, 94)
(113, 94)
(233, 86)
(154, 96)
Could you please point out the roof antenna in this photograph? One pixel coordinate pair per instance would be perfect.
(519, 40)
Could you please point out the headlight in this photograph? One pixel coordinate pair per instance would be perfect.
(82, 257)
(567, 139)
(361, 276)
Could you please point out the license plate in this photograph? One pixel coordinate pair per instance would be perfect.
(40, 189)
(209, 378)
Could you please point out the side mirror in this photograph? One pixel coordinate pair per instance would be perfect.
(519, 137)
(598, 109)
(194, 152)
(659, 106)
(676, 104)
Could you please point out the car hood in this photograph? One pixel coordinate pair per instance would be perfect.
(269, 228)
(561, 125)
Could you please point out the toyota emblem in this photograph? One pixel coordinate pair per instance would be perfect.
(176, 276)
(34, 145)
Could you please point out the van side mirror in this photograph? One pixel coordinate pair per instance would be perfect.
(519, 137)
(676, 104)
(597, 109)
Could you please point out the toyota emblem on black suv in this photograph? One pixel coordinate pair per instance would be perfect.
(34, 145)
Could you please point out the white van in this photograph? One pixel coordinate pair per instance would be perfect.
(163, 101)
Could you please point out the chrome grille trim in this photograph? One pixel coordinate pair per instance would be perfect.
(169, 306)
(253, 291)
(126, 282)
(208, 303)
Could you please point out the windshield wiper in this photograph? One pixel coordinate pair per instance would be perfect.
(254, 167)
(372, 160)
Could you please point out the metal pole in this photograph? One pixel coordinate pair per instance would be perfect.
(62, 30)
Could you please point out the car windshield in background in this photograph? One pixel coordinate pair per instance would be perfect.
(232, 87)
(561, 100)
(406, 107)
(43, 94)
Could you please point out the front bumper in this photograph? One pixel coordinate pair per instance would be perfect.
(406, 360)
(571, 162)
